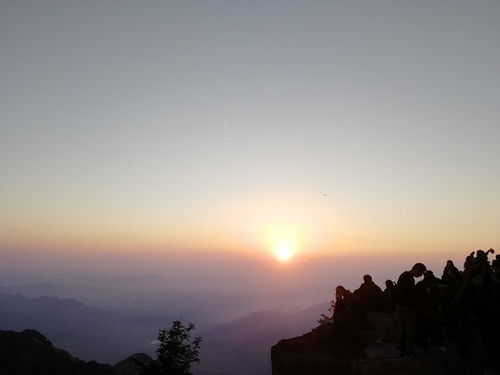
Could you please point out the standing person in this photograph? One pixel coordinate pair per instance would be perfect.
(478, 306)
(390, 293)
(407, 303)
(450, 267)
(495, 266)
(430, 330)
(372, 296)
(453, 287)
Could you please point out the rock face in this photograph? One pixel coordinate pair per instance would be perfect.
(29, 352)
(310, 354)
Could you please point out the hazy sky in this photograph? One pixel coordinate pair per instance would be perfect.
(329, 127)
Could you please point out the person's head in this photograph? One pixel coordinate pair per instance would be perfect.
(449, 263)
(339, 292)
(429, 277)
(418, 269)
(367, 278)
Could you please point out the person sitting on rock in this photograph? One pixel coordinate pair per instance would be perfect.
(355, 304)
(344, 339)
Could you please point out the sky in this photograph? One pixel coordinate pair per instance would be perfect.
(202, 129)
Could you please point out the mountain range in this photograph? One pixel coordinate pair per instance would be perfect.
(233, 343)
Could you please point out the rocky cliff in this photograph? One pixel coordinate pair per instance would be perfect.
(310, 354)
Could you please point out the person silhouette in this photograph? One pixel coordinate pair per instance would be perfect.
(407, 303)
(372, 295)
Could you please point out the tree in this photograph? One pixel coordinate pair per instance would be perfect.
(175, 351)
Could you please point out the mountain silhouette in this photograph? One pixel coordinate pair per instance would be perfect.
(239, 346)
(86, 332)
(29, 352)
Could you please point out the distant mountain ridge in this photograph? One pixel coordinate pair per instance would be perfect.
(204, 307)
(244, 345)
(87, 332)
(240, 346)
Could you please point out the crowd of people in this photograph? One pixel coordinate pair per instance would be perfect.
(461, 305)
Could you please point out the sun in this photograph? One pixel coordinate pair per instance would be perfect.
(283, 241)
(284, 252)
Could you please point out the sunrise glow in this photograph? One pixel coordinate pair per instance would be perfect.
(284, 242)
(284, 253)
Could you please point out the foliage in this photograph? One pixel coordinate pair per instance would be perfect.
(324, 319)
(175, 351)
